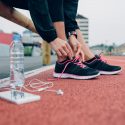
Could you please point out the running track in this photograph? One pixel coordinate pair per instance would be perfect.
(99, 101)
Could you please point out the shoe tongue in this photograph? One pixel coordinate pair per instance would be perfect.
(97, 56)
(63, 62)
(90, 60)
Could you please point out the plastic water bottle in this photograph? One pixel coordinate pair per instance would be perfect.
(17, 62)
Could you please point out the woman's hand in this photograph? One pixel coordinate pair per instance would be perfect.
(77, 47)
(62, 48)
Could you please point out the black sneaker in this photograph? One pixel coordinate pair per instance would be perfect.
(74, 69)
(104, 68)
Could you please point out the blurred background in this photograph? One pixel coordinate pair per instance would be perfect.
(102, 23)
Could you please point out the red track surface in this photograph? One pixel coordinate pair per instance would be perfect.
(99, 101)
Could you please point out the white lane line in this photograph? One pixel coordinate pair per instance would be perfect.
(37, 71)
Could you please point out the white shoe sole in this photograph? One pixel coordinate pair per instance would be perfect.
(65, 75)
(110, 73)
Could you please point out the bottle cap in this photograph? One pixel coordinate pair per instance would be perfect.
(16, 37)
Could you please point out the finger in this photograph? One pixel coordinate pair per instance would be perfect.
(59, 53)
(79, 47)
(75, 47)
(62, 51)
(78, 53)
(82, 56)
(70, 50)
(66, 49)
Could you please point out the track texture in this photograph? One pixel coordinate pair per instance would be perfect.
(99, 101)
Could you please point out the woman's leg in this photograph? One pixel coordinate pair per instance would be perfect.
(88, 53)
(70, 12)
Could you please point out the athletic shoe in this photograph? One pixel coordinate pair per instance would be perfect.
(104, 68)
(74, 69)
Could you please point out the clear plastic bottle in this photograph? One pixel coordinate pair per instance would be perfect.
(17, 62)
